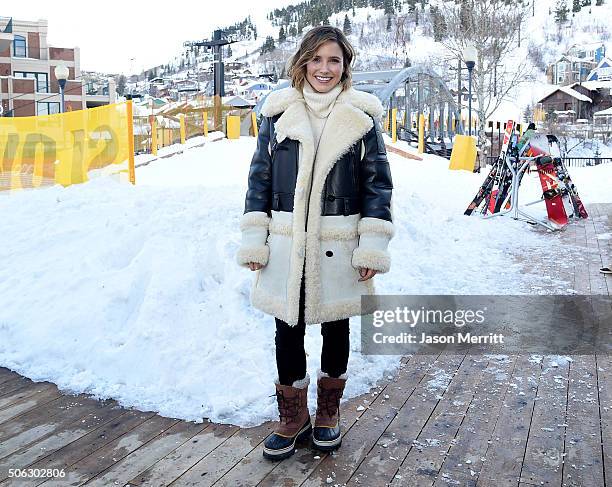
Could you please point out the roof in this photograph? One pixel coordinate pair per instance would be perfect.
(594, 85)
(604, 64)
(607, 111)
(571, 92)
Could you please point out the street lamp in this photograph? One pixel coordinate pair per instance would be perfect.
(61, 74)
(469, 57)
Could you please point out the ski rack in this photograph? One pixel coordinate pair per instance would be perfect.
(514, 208)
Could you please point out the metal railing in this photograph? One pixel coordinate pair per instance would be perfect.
(571, 161)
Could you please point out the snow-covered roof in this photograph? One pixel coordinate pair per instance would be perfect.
(595, 85)
(575, 94)
(607, 111)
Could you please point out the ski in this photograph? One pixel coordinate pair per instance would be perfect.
(553, 193)
(564, 176)
(485, 189)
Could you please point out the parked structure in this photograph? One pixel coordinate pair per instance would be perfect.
(27, 80)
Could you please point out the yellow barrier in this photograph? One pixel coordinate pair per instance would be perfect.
(154, 135)
(464, 153)
(421, 133)
(394, 125)
(205, 121)
(182, 122)
(62, 148)
(233, 127)
(254, 124)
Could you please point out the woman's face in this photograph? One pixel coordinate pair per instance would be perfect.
(324, 70)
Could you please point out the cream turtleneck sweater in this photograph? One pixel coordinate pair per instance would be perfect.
(318, 107)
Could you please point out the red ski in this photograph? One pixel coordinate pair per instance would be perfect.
(553, 195)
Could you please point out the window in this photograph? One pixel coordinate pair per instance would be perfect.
(47, 108)
(19, 46)
(42, 80)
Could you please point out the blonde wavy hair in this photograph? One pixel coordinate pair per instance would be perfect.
(315, 38)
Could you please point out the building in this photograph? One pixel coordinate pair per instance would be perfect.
(28, 85)
(578, 101)
(576, 64)
(602, 72)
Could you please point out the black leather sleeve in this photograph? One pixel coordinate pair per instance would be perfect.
(375, 177)
(259, 192)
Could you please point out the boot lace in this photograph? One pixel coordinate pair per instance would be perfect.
(329, 401)
(288, 407)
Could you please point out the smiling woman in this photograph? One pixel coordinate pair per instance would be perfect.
(316, 226)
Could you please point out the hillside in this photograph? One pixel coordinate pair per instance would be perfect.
(389, 34)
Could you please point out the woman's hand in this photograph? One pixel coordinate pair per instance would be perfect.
(254, 266)
(366, 273)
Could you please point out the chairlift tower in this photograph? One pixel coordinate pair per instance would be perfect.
(217, 42)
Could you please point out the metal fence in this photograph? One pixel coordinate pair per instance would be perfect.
(572, 161)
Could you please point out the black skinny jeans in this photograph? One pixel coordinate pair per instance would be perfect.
(290, 353)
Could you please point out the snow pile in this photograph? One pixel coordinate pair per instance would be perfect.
(132, 292)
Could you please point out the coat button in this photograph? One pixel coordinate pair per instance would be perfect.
(331, 197)
(329, 253)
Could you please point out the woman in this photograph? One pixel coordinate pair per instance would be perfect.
(316, 227)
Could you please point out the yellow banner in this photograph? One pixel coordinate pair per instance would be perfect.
(63, 148)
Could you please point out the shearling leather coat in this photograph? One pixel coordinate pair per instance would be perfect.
(325, 214)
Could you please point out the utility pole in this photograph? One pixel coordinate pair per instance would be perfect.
(217, 42)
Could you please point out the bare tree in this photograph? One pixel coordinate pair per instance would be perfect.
(493, 27)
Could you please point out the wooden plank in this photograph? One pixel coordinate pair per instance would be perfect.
(351, 412)
(403, 153)
(104, 458)
(23, 392)
(383, 460)
(214, 465)
(60, 436)
(583, 464)
(93, 441)
(7, 375)
(463, 462)
(358, 442)
(73, 411)
(431, 444)
(543, 462)
(503, 460)
(185, 456)
(28, 406)
(12, 385)
(147, 455)
(603, 376)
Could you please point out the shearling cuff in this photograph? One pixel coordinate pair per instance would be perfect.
(379, 260)
(258, 254)
(254, 226)
(374, 237)
(321, 374)
(300, 384)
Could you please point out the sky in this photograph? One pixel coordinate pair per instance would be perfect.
(126, 37)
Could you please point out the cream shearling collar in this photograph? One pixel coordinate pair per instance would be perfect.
(278, 101)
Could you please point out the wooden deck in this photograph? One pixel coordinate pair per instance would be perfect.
(445, 420)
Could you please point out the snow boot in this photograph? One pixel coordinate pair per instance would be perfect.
(294, 420)
(605, 270)
(326, 435)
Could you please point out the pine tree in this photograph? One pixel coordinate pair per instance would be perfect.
(388, 6)
(282, 37)
(599, 2)
(347, 25)
(561, 12)
(389, 23)
(121, 85)
(576, 6)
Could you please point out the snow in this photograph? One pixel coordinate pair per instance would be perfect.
(132, 292)
(573, 93)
